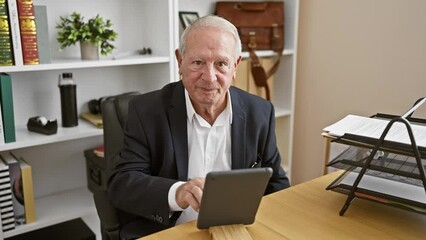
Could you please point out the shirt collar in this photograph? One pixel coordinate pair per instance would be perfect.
(191, 111)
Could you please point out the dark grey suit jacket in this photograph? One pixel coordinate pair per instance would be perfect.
(155, 154)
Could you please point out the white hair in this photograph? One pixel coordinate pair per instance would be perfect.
(216, 22)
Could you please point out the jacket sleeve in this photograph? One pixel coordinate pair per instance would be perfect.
(270, 157)
(135, 185)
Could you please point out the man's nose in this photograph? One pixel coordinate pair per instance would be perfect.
(209, 73)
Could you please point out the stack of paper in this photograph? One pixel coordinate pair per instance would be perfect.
(373, 128)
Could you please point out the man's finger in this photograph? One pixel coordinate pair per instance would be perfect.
(196, 195)
(190, 193)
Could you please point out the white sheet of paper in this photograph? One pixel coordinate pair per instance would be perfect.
(393, 188)
(373, 128)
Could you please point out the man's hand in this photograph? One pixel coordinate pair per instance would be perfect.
(190, 193)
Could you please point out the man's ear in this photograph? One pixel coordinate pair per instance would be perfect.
(238, 61)
(236, 65)
(178, 57)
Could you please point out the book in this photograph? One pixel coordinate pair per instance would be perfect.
(28, 30)
(43, 44)
(27, 189)
(6, 52)
(6, 99)
(95, 119)
(6, 203)
(16, 184)
(1, 127)
(99, 151)
(15, 32)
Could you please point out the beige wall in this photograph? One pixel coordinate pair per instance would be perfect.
(358, 57)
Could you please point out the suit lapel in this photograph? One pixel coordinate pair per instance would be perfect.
(238, 131)
(178, 128)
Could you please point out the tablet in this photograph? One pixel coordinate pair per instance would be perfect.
(232, 197)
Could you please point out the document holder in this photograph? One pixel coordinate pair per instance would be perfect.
(378, 159)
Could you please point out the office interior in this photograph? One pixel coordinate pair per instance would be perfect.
(353, 57)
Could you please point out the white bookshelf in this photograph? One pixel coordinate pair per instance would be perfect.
(58, 164)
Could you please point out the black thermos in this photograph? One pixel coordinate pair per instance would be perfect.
(67, 89)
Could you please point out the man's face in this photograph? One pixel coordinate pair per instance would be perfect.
(208, 66)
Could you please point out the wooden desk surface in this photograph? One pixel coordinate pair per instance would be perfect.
(308, 211)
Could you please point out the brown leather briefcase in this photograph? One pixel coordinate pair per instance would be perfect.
(261, 27)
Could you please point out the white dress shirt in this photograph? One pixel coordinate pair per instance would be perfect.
(209, 149)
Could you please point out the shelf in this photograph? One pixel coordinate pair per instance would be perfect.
(58, 208)
(25, 138)
(268, 53)
(280, 112)
(93, 222)
(73, 63)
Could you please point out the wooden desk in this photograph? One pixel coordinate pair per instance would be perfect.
(308, 211)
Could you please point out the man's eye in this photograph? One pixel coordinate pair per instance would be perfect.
(197, 62)
(222, 64)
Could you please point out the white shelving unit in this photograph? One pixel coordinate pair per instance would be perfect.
(59, 171)
(285, 78)
(58, 163)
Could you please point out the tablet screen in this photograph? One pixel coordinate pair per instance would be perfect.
(232, 197)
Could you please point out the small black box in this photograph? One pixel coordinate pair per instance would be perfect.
(95, 169)
(74, 229)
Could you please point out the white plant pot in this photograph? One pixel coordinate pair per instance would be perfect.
(89, 51)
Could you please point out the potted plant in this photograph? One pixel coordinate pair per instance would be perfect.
(93, 34)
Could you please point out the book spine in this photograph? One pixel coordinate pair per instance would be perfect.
(6, 203)
(1, 126)
(15, 32)
(43, 44)
(28, 190)
(6, 98)
(6, 49)
(28, 29)
(17, 188)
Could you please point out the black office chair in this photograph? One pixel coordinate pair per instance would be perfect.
(114, 115)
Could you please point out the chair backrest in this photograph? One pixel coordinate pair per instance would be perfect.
(114, 115)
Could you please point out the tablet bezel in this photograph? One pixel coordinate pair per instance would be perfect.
(232, 197)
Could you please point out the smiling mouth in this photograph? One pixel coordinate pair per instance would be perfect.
(208, 89)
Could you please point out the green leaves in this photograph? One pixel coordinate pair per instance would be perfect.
(74, 29)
